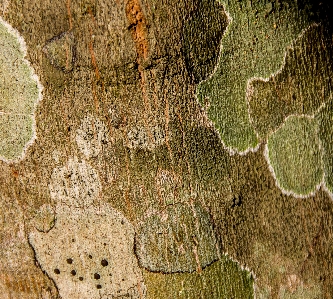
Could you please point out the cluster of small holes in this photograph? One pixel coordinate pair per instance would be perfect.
(96, 276)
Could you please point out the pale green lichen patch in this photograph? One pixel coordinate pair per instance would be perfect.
(325, 132)
(20, 90)
(253, 46)
(295, 156)
(223, 279)
(301, 87)
(15, 133)
(179, 239)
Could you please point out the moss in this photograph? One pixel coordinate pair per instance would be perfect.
(223, 279)
(294, 154)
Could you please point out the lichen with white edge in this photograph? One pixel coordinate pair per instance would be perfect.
(19, 94)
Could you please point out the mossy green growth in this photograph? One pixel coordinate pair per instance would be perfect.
(325, 132)
(223, 279)
(294, 154)
(19, 92)
(253, 46)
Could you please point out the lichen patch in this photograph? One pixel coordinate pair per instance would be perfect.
(91, 136)
(89, 254)
(76, 184)
(180, 239)
(20, 91)
(295, 157)
(60, 50)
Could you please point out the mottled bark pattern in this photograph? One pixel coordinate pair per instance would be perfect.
(121, 135)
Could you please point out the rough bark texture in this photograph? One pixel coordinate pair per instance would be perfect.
(180, 149)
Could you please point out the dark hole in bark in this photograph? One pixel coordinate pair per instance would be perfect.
(97, 276)
(56, 271)
(104, 263)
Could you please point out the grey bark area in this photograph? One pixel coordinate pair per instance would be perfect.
(140, 149)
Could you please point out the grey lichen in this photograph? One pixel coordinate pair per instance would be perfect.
(179, 239)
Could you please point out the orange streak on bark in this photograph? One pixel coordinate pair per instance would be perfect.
(69, 14)
(92, 16)
(138, 25)
(138, 28)
(93, 58)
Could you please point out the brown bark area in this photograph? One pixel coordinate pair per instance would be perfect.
(132, 71)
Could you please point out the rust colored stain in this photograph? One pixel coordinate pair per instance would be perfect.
(138, 27)
(69, 14)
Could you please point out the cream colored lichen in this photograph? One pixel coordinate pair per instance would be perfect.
(91, 136)
(76, 185)
(19, 93)
(89, 253)
(140, 137)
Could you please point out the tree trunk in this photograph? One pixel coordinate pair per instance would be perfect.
(166, 149)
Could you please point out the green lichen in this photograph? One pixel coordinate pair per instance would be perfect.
(223, 279)
(19, 93)
(16, 131)
(253, 46)
(301, 87)
(295, 156)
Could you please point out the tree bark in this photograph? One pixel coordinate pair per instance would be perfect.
(166, 149)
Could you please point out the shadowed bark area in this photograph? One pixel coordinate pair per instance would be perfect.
(124, 151)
